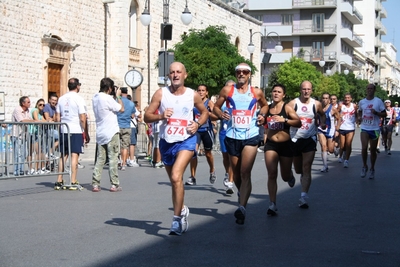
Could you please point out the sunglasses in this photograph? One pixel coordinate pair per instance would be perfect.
(245, 72)
(41, 105)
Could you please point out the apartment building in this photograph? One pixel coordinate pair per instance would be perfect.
(371, 32)
(316, 30)
(389, 72)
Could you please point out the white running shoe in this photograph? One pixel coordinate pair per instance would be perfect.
(325, 169)
(272, 210)
(226, 180)
(132, 163)
(364, 171)
(184, 218)
(229, 188)
(213, 177)
(340, 160)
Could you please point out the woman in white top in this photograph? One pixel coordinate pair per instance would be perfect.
(347, 126)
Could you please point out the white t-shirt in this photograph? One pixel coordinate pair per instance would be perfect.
(369, 121)
(134, 125)
(69, 107)
(105, 110)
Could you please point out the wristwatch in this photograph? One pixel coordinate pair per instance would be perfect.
(286, 120)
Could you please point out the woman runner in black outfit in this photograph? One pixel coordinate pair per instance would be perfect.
(278, 145)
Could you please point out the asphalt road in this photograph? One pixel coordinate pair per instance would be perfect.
(351, 221)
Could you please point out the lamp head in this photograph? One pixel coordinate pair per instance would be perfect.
(346, 71)
(186, 16)
(322, 62)
(278, 47)
(145, 18)
(328, 72)
(251, 48)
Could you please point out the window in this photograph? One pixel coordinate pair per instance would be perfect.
(318, 22)
(287, 19)
(132, 24)
(318, 49)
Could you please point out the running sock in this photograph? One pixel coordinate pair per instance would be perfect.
(304, 194)
(325, 158)
(177, 218)
(344, 154)
(397, 129)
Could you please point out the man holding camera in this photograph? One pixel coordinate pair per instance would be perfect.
(105, 110)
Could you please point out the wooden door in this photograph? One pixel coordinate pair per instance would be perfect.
(54, 79)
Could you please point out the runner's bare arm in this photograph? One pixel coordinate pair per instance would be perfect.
(149, 114)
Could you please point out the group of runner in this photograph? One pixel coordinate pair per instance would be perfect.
(185, 117)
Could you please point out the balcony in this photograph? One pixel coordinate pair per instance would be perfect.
(351, 13)
(314, 4)
(378, 6)
(309, 29)
(348, 36)
(278, 57)
(383, 13)
(378, 24)
(134, 56)
(383, 30)
(317, 55)
(377, 42)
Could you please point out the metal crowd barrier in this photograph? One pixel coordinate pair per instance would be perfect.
(32, 149)
(142, 140)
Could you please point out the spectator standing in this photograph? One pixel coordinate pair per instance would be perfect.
(20, 133)
(124, 122)
(105, 110)
(71, 110)
(37, 145)
(49, 112)
(135, 119)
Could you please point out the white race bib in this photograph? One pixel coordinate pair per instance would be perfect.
(241, 119)
(176, 128)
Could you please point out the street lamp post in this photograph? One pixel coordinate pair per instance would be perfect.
(166, 28)
(321, 61)
(251, 48)
(346, 71)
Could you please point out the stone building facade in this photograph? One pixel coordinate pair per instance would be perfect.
(45, 42)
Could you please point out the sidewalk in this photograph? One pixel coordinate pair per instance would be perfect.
(350, 222)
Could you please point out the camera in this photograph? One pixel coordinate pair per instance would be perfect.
(113, 90)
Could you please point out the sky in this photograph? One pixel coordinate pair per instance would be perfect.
(392, 32)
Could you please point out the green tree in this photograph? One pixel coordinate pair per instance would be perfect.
(293, 72)
(328, 84)
(210, 57)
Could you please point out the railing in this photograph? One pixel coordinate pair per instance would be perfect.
(134, 56)
(313, 3)
(357, 14)
(32, 149)
(358, 39)
(312, 29)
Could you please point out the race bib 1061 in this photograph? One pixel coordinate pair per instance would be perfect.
(241, 118)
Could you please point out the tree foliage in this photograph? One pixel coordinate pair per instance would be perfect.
(209, 57)
(292, 73)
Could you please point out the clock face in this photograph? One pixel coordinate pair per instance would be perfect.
(133, 78)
